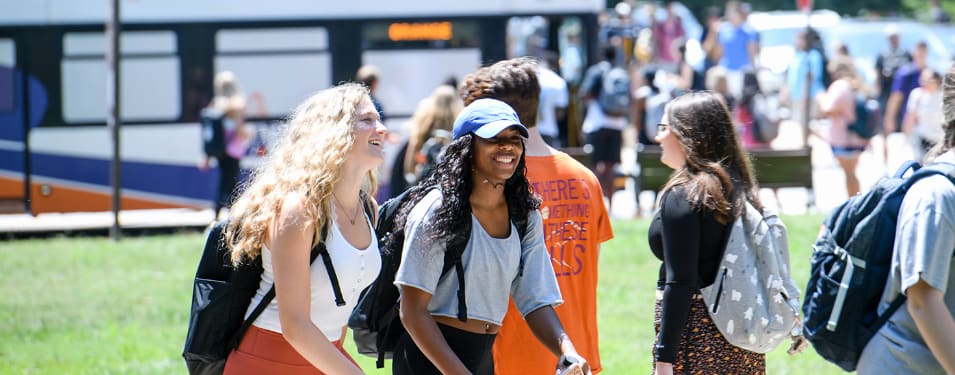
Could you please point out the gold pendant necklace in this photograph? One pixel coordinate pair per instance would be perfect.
(353, 217)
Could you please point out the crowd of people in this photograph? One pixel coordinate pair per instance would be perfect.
(485, 154)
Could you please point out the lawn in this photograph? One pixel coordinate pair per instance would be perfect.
(90, 306)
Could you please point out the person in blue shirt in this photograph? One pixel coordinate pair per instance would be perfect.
(807, 61)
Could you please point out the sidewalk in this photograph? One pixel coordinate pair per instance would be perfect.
(48, 223)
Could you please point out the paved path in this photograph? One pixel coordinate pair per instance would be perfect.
(21, 224)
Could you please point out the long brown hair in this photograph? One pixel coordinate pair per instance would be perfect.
(718, 174)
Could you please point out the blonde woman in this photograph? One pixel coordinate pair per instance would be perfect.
(838, 103)
(317, 177)
(431, 122)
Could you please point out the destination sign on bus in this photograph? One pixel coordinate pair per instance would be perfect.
(410, 31)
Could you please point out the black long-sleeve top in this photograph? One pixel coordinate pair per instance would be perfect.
(690, 243)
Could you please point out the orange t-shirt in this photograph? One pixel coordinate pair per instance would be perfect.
(575, 223)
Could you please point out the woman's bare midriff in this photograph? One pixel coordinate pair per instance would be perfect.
(472, 325)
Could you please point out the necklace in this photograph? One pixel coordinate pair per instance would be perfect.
(353, 217)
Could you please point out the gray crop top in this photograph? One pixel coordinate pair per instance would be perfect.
(490, 267)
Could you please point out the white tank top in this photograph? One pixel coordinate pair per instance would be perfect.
(356, 269)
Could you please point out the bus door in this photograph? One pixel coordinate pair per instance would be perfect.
(13, 125)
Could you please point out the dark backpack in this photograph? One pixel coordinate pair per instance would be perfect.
(213, 132)
(765, 118)
(375, 323)
(433, 149)
(851, 261)
(614, 95)
(221, 295)
(868, 118)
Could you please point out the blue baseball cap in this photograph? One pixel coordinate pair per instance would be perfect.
(486, 118)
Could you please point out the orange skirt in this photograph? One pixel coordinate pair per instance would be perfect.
(265, 352)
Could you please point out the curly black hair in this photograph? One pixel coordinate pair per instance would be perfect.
(453, 176)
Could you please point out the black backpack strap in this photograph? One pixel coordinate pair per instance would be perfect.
(329, 268)
(327, 258)
(452, 259)
(942, 168)
(521, 224)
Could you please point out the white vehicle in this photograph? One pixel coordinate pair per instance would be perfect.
(865, 40)
(55, 149)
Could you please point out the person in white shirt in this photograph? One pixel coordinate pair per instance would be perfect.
(553, 101)
(311, 189)
(923, 115)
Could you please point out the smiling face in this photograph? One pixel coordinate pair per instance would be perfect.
(673, 155)
(369, 137)
(495, 159)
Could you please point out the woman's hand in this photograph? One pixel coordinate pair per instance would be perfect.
(573, 361)
(663, 368)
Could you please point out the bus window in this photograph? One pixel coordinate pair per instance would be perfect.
(529, 36)
(408, 76)
(280, 66)
(149, 77)
(526, 36)
(8, 60)
(571, 43)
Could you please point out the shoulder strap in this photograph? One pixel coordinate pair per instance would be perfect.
(452, 259)
(942, 168)
(521, 224)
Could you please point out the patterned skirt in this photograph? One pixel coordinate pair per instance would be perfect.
(703, 350)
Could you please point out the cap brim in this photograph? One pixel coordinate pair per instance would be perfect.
(491, 130)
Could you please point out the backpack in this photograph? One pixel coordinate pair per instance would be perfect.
(432, 150)
(753, 301)
(614, 95)
(868, 118)
(221, 295)
(213, 132)
(851, 261)
(375, 323)
(765, 118)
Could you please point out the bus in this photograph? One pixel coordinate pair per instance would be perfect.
(55, 149)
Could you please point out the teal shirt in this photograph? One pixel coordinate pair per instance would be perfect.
(796, 74)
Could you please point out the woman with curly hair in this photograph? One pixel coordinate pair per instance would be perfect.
(711, 182)
(480, 184)
(314, 183)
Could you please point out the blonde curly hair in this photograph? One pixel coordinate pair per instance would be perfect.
(307, 160)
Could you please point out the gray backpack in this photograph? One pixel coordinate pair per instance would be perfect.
(614, 95)
(754, 301)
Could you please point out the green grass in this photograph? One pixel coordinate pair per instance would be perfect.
(91, 306)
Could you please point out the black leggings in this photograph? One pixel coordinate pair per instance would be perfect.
(472, 348)
(228, 179)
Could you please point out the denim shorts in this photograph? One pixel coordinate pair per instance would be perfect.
(844, 152)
